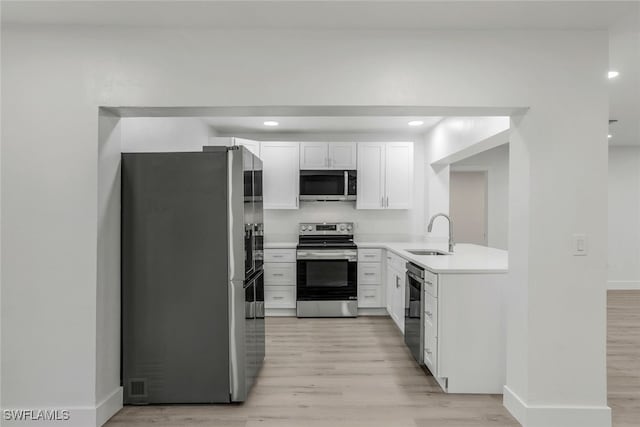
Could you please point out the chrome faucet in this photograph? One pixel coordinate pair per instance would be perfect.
(430, 227)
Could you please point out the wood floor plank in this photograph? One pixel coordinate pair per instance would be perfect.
(358, 373)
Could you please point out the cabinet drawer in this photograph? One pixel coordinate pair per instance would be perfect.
(431, 353)
(279, 255)
(431, 283)
(369, 255)
(280, 274)
(431, 313)
(280, 297)
(396, 262)
(369, 273)
(369, 296)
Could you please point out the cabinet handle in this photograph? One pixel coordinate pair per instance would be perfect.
(428, 351)
(397, 282)
(369, 296)
(429, 283)
(278, 297)
(369, 274)
(369, 256)
(430, 314)
(278, 256)
(278, 274)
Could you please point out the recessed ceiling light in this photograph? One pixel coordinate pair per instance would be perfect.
(271, 123)
(613, 74)
(609, 136)
(416, 123)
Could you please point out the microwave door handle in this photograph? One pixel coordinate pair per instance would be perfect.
(346, 183)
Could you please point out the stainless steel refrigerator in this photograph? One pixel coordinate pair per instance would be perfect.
(192, 276)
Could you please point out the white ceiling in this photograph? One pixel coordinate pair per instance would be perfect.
(362, 14)
(621, 18)
(320, 125)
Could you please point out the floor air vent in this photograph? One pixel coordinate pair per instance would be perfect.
(138, 388)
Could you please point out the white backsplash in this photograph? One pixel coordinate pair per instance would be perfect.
(370, 225)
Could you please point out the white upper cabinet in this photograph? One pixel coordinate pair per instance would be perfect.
(253, 146)
(342, 155)
(399, 175)
(314, 155)
(328, 155)
(371, 168)
(385, 175)
(280, 174)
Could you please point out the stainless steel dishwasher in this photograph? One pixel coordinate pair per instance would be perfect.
(413, 311)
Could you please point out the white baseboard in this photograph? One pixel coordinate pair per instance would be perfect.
(109, 407)
(555, 416)
(280, 312)
(373, 312)
(78, 416)
(623, 285)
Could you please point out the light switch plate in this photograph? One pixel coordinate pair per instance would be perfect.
(580, 247)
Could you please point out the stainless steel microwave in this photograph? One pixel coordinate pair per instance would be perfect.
(328, 185)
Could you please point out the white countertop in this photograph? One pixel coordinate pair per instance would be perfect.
(466, 258)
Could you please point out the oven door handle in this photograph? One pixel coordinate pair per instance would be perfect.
(350, 256)
(346, 183)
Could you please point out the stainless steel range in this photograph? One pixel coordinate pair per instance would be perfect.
(327, 265)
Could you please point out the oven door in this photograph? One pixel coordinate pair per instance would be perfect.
(327, 275)
(328, 185)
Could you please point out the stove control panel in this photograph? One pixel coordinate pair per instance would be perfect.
(326, 228)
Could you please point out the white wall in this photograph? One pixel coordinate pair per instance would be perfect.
(496, 163)
(450, 141)
(141, 134)
(108, 392)
(624, 217)
(55, 78)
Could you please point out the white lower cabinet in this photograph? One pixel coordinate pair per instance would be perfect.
(280, 279)
(280, 273)
(280, 297)
(370, 284)
(370, 296)
(431, 332)
(464, 331)
(395, 288)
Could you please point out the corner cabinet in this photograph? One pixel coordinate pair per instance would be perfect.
(281, 178)
(328, 155)
(385, 175)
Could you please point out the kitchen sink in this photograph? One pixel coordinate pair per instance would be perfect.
(426, 252)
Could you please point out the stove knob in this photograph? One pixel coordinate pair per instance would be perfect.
(343, 227)
(349, 227)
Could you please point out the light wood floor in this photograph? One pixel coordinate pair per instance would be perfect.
(358, 373)
(623, 357)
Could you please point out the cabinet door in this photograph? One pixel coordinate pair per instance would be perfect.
(314, 155)
(342, 155)
(371, 175)
(399, 175)
(280, 174)
(253, 146)
(399, 299)
(389, 287)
